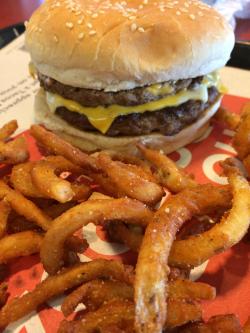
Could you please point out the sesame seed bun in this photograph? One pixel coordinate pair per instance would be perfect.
(114, 45)
(91, 142)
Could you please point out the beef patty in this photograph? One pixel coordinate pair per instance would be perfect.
(167, 121)
(93, 98)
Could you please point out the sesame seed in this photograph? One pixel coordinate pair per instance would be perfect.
(39, 29)
(200, 14)
(69, 25)
(141, 29)
(92, 32)
(95, 15)
(89, 25)
(192, 16)
(133, 27)
(145, 2)
(55, 38)
(101, 11)
(78, 13)
(81, 35)
(162, 9)
(80, 21)
(89, 12)
(132, 17)
(140, 7)
(178, 13)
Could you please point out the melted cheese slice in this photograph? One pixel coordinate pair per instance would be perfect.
(102, 117)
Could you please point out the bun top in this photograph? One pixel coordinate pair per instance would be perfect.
(115, 44)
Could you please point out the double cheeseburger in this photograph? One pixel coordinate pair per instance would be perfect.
(113, 72)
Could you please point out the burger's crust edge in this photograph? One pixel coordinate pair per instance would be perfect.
(92, 142)
(172, 47)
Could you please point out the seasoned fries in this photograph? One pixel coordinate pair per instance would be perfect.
(8, 129)
(229, 119)
(15, 151)
(56, 285)
(18, 245)
(152, 266)
(24, 206)
(167, 172)
(225, 324)
(4, 213)
(3, 294)
(58, 146)
(131, 181)
(43, 203)
(44, 177)
(97, 211)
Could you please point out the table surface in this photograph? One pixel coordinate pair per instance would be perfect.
(16, 11)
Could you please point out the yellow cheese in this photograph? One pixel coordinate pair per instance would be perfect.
(160, 89)
(102, 117)
(32, 70)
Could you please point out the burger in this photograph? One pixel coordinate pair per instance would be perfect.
(114, 73)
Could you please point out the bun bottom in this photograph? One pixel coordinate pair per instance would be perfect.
(91, 142)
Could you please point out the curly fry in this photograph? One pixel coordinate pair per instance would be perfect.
(24, 206)
(152, 266)
(14, 152)
(58, 284)
(131, 180)
(223, 235)
(18, 245)
(97, 211)
(3, 294)
(8, 129)
(180, 313)
(58, 146)
(94, 293)
(241, 139)
(167, 172)
(4, 213)
(222, 323)
(48, 183)
(21, 180)
(228, 118)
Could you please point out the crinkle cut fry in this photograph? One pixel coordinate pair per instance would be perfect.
(167, 172)
(152, 266)
(58, 146)
(8, 129)
(18, 245)
(229, 231)
(96, 211)
(56, 285)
